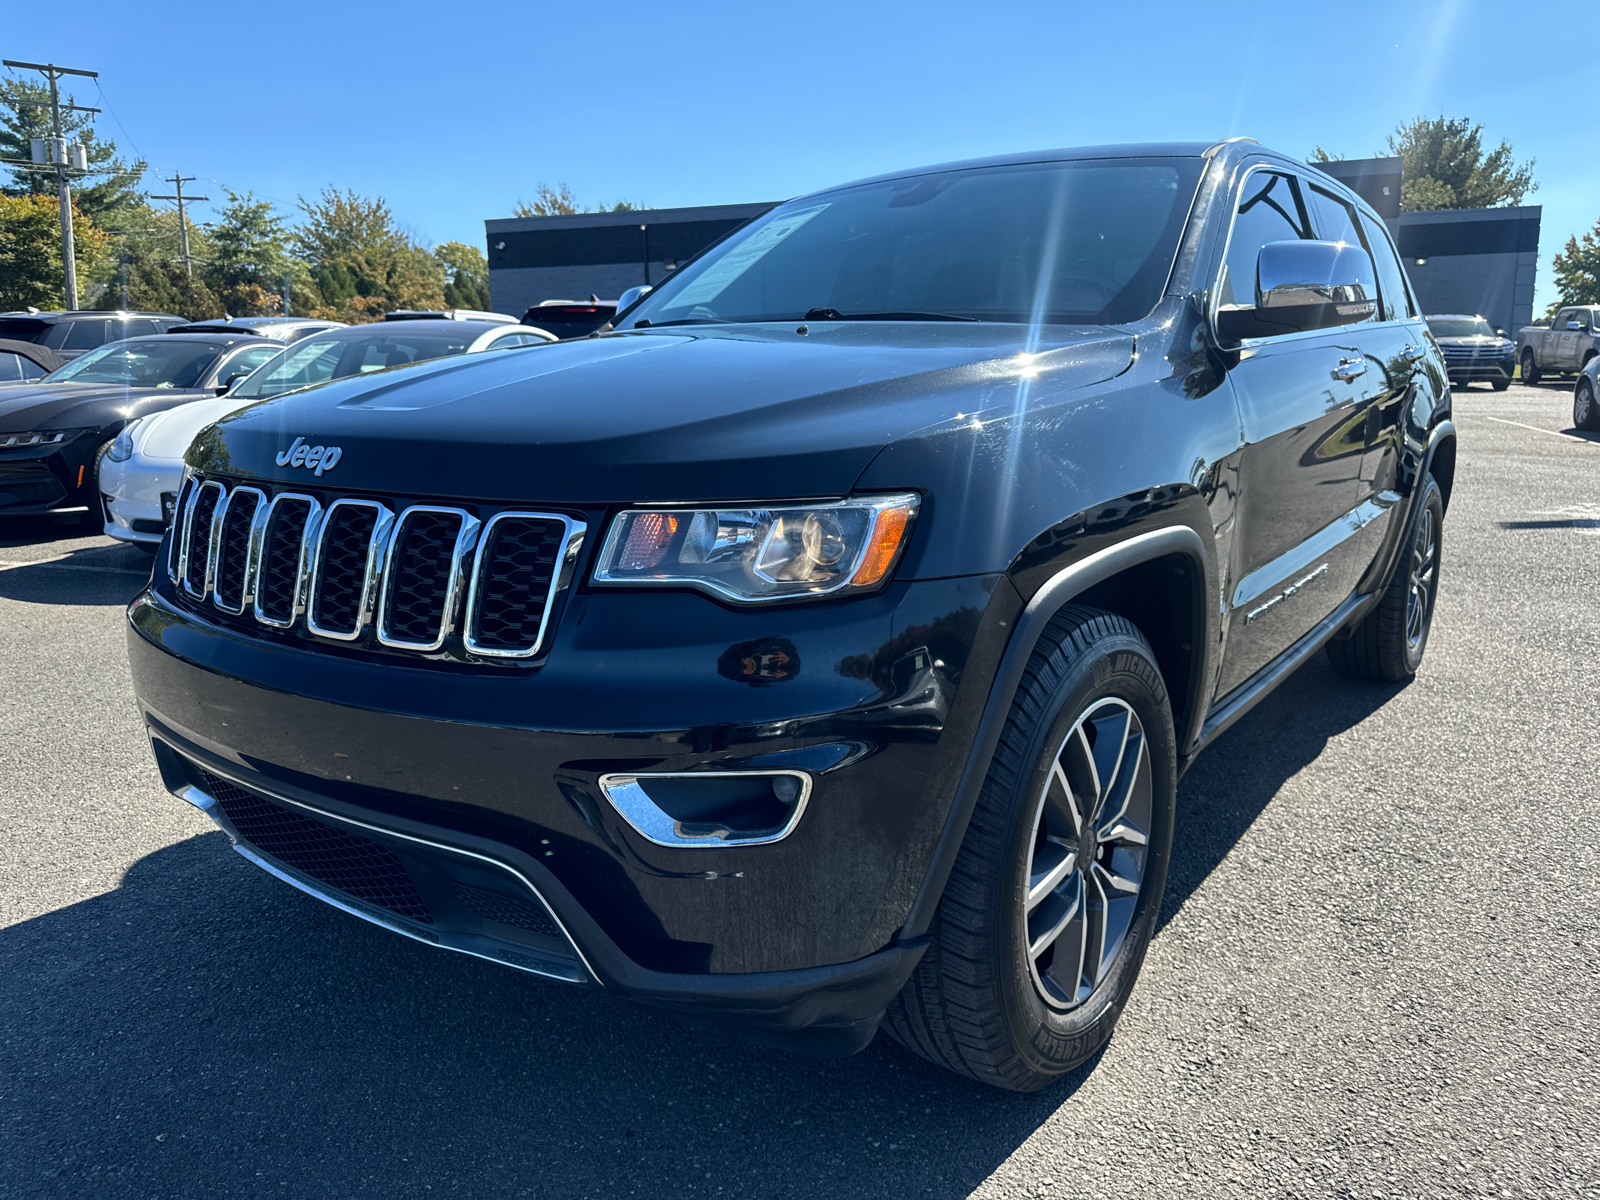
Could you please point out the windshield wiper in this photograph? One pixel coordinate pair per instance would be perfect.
(833, 314)
(646, 323)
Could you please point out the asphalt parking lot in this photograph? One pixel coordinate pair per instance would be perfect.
(1378, 972)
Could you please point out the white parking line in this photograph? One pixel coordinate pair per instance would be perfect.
(59, 565)
(1536, 429)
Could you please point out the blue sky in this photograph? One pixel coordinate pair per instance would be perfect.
(453, 112)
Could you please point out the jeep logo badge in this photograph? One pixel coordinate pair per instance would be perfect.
(313, 458)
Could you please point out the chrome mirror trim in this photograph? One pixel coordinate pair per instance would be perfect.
(466, 539)
(572, 539)
(654, 824)
(377, 547)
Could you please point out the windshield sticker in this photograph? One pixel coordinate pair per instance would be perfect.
(720, 274)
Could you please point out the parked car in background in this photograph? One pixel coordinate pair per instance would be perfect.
(23, 362)
(1586, 397)
(53, 431)
(570, 318)
(77, 332)
(449, 314)
(1562, 348)
(142, 470)
(820, 650)
(282, 329)
(1474, 350)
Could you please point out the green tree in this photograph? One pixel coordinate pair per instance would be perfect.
(362, 263)
(112, 185)
(1577, 271)
(1444, 166)
(466, 275)
(141, 280)
(559, 201)
(30, 251)
(252, 263)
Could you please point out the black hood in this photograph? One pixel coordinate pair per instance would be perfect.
(26, 406)
(693, 413)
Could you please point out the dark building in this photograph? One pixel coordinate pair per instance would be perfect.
(600, 254)
(1460, 260)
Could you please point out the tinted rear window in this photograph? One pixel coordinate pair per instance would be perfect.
(24, 329)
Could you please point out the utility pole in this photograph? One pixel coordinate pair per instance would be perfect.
(68, 256)
(177, 181)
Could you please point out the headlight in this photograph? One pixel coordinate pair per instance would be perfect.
(768, 553)
(36, 437)
(122, 449)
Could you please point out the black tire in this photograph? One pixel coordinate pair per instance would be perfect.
(1585, 409)
(979, 1003)
(1500, 385)
(1530, 369)
(96, 516)
(1389, 641)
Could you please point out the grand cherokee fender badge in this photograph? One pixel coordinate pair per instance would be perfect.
(313, 458)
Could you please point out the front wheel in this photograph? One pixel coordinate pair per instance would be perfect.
(1389, 641)
(1585, 411)
(1053, 899)
(1530, 370)
(1500, 385)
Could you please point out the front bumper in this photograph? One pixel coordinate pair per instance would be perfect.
(48, 479)
(1481, 370)
(797, 939)
(132, 496)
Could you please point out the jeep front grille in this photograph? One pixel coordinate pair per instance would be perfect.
(428, 579)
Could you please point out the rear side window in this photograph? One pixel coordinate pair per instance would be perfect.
(25, 329)
(139, 327)
(1270, 210)
(1391, 277)
(11, 368)
(85, 335)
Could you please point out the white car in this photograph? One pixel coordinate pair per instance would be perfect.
(141, 473)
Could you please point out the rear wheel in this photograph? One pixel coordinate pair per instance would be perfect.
(1585, 410)
(1500, 385)
(1054, 895)
(1530, 370)
(1389, 641)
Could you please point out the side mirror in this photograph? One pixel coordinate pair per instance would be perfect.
(1303, 285)
(229, 383)
(631, 297)
(1500, 333)
(1574, 324)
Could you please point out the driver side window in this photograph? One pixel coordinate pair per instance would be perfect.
(1270, 210)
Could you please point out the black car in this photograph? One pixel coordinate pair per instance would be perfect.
(77, 332)
(1474, 350)
(819, 648)
(571, 318)
(23, 362)
(53, 431)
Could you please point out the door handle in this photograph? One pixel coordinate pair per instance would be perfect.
(1349, 368)
(1412, 353)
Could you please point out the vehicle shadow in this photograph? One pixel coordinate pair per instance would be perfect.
(105, 573)
(1236, 777)
(205, 1030)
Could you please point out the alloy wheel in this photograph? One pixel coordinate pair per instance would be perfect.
(1090, 841)
(1582, 406)
(1424, 568)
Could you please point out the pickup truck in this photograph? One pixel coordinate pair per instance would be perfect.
(1564, 348)
(816, 647)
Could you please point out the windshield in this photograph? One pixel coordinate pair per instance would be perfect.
(317, 360)
(146, 362)
(1460, 327)
(1065, 242)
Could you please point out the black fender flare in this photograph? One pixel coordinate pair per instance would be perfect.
(1055, 594)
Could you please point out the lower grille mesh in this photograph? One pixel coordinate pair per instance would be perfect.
(507, 910)
(345, 861)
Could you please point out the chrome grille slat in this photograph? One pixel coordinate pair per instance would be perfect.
(200, 537)
(347, 568)
(423, 576)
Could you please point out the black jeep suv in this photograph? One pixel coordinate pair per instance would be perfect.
(820, 646)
